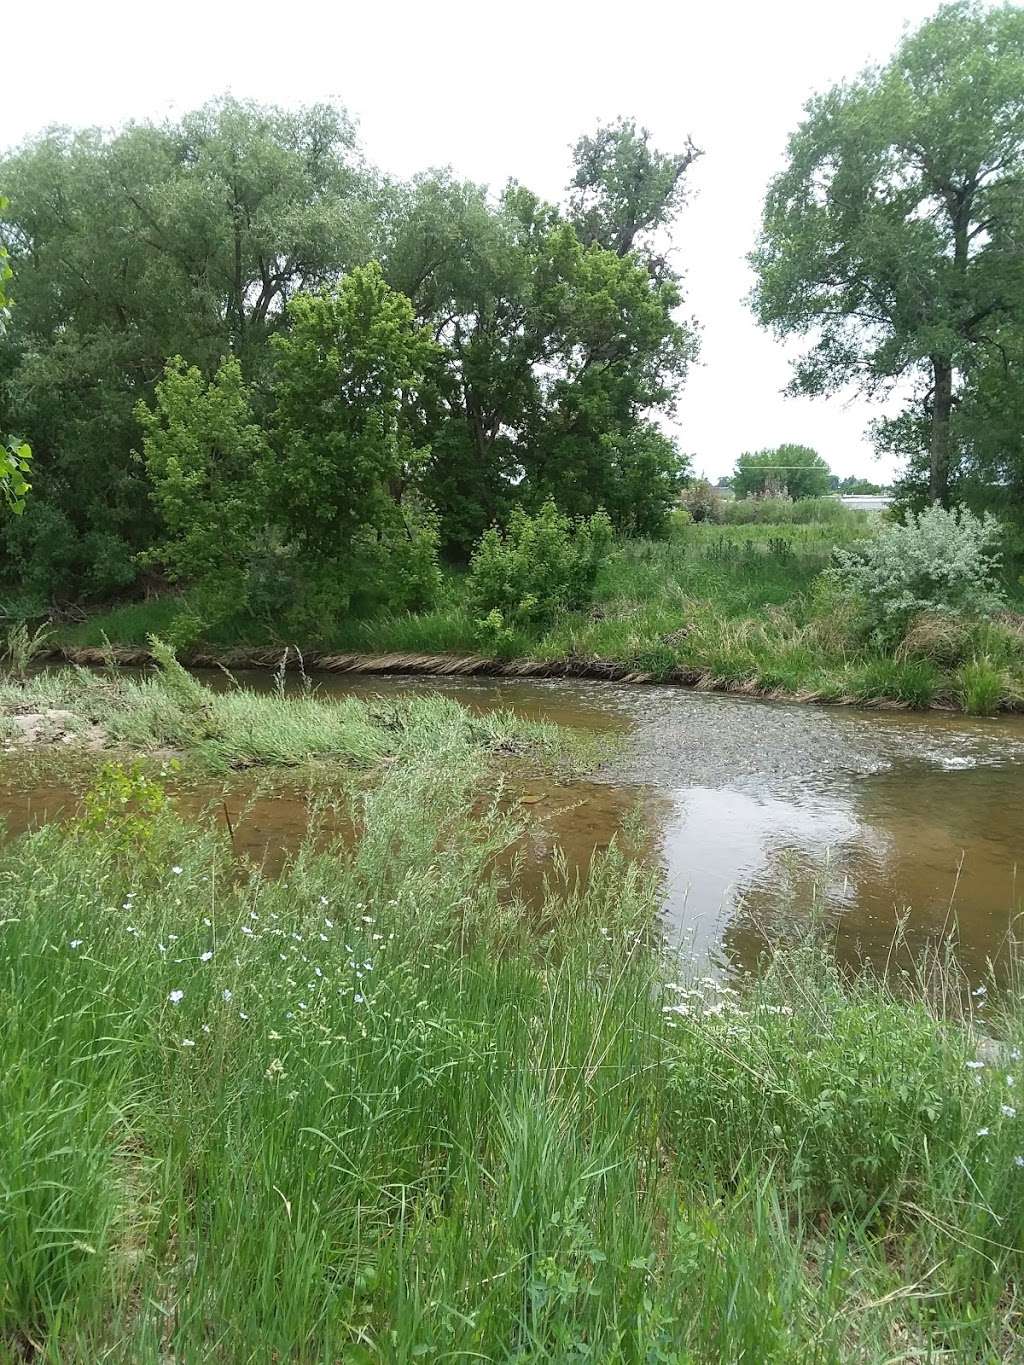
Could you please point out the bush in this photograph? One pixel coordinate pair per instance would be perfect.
(701, 501)
(784, 511)
(541, 565)
(938, 561)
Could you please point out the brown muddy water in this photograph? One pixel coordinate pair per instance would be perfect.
(760, 814)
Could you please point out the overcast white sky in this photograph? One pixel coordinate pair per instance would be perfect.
(502, 90)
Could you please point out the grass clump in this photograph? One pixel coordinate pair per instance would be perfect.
(169, 709)
(380, 1110)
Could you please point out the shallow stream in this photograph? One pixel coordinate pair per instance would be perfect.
(760, 813)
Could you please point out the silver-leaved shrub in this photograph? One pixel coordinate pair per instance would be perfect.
(938, 560)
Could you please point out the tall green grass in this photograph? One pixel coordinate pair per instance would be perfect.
(379, 1110)
(168, 708)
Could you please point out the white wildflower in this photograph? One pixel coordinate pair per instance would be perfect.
(1007, 1111)
(225, 995)
(176, 996)
(205, 957)
(76, 943)
(176, 870)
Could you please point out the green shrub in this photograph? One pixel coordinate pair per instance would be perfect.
(701, 501)
(540, 565)
(744, 511)
(939, 561)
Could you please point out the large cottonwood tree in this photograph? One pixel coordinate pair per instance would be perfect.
(892, 237)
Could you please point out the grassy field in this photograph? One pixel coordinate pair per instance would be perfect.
(739, 607)
(378, 1110)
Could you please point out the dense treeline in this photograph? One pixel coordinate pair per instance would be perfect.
(239, 350)
(244, 360)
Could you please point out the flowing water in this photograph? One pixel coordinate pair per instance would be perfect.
(759, 813)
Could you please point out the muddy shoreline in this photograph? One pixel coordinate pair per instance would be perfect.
(465, 665)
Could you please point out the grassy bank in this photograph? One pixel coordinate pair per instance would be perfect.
(169, 710)
(735, 607)
(377, 1110)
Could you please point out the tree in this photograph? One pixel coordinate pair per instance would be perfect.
(623, 189)
(893, 235)
(345, 421)
(207, 461)
(172, 239)
(557, 352)
(793, 470)
(15, 456)
(852, 484)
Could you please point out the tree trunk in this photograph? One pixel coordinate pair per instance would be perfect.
(942, 407)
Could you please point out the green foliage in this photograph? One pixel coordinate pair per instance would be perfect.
(540, 565)
(937, 561)
(125, 807)
(207, 460)
(347, 379)
(623, 189)
(557, 351)
(785, 512)
(788, 470)
(15, 466)
(891, 238)
(15, 456)
(174, 239)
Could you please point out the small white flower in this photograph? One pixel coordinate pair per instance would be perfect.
(324, 938)
(1018, 1160)
(1015, 1054)
(226, 995)
(982, 1132)
(680, 1008)
(324, 900)
(207, 921)
(974, 1066)
(131, 929)
(358, 1000)
(188, 1042)
(76, 943)
(982, 990)
(243, 1016)
(1007, 1111)
(246, 929)
(1010, 1080)
(206, 1028)
(205, 957)
(175, 996)
(329, 922)
(176, 870)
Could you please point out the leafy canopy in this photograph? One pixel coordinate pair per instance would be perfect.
(793, 470)
(892, 237)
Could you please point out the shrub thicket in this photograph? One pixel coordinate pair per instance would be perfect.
(539, 566)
